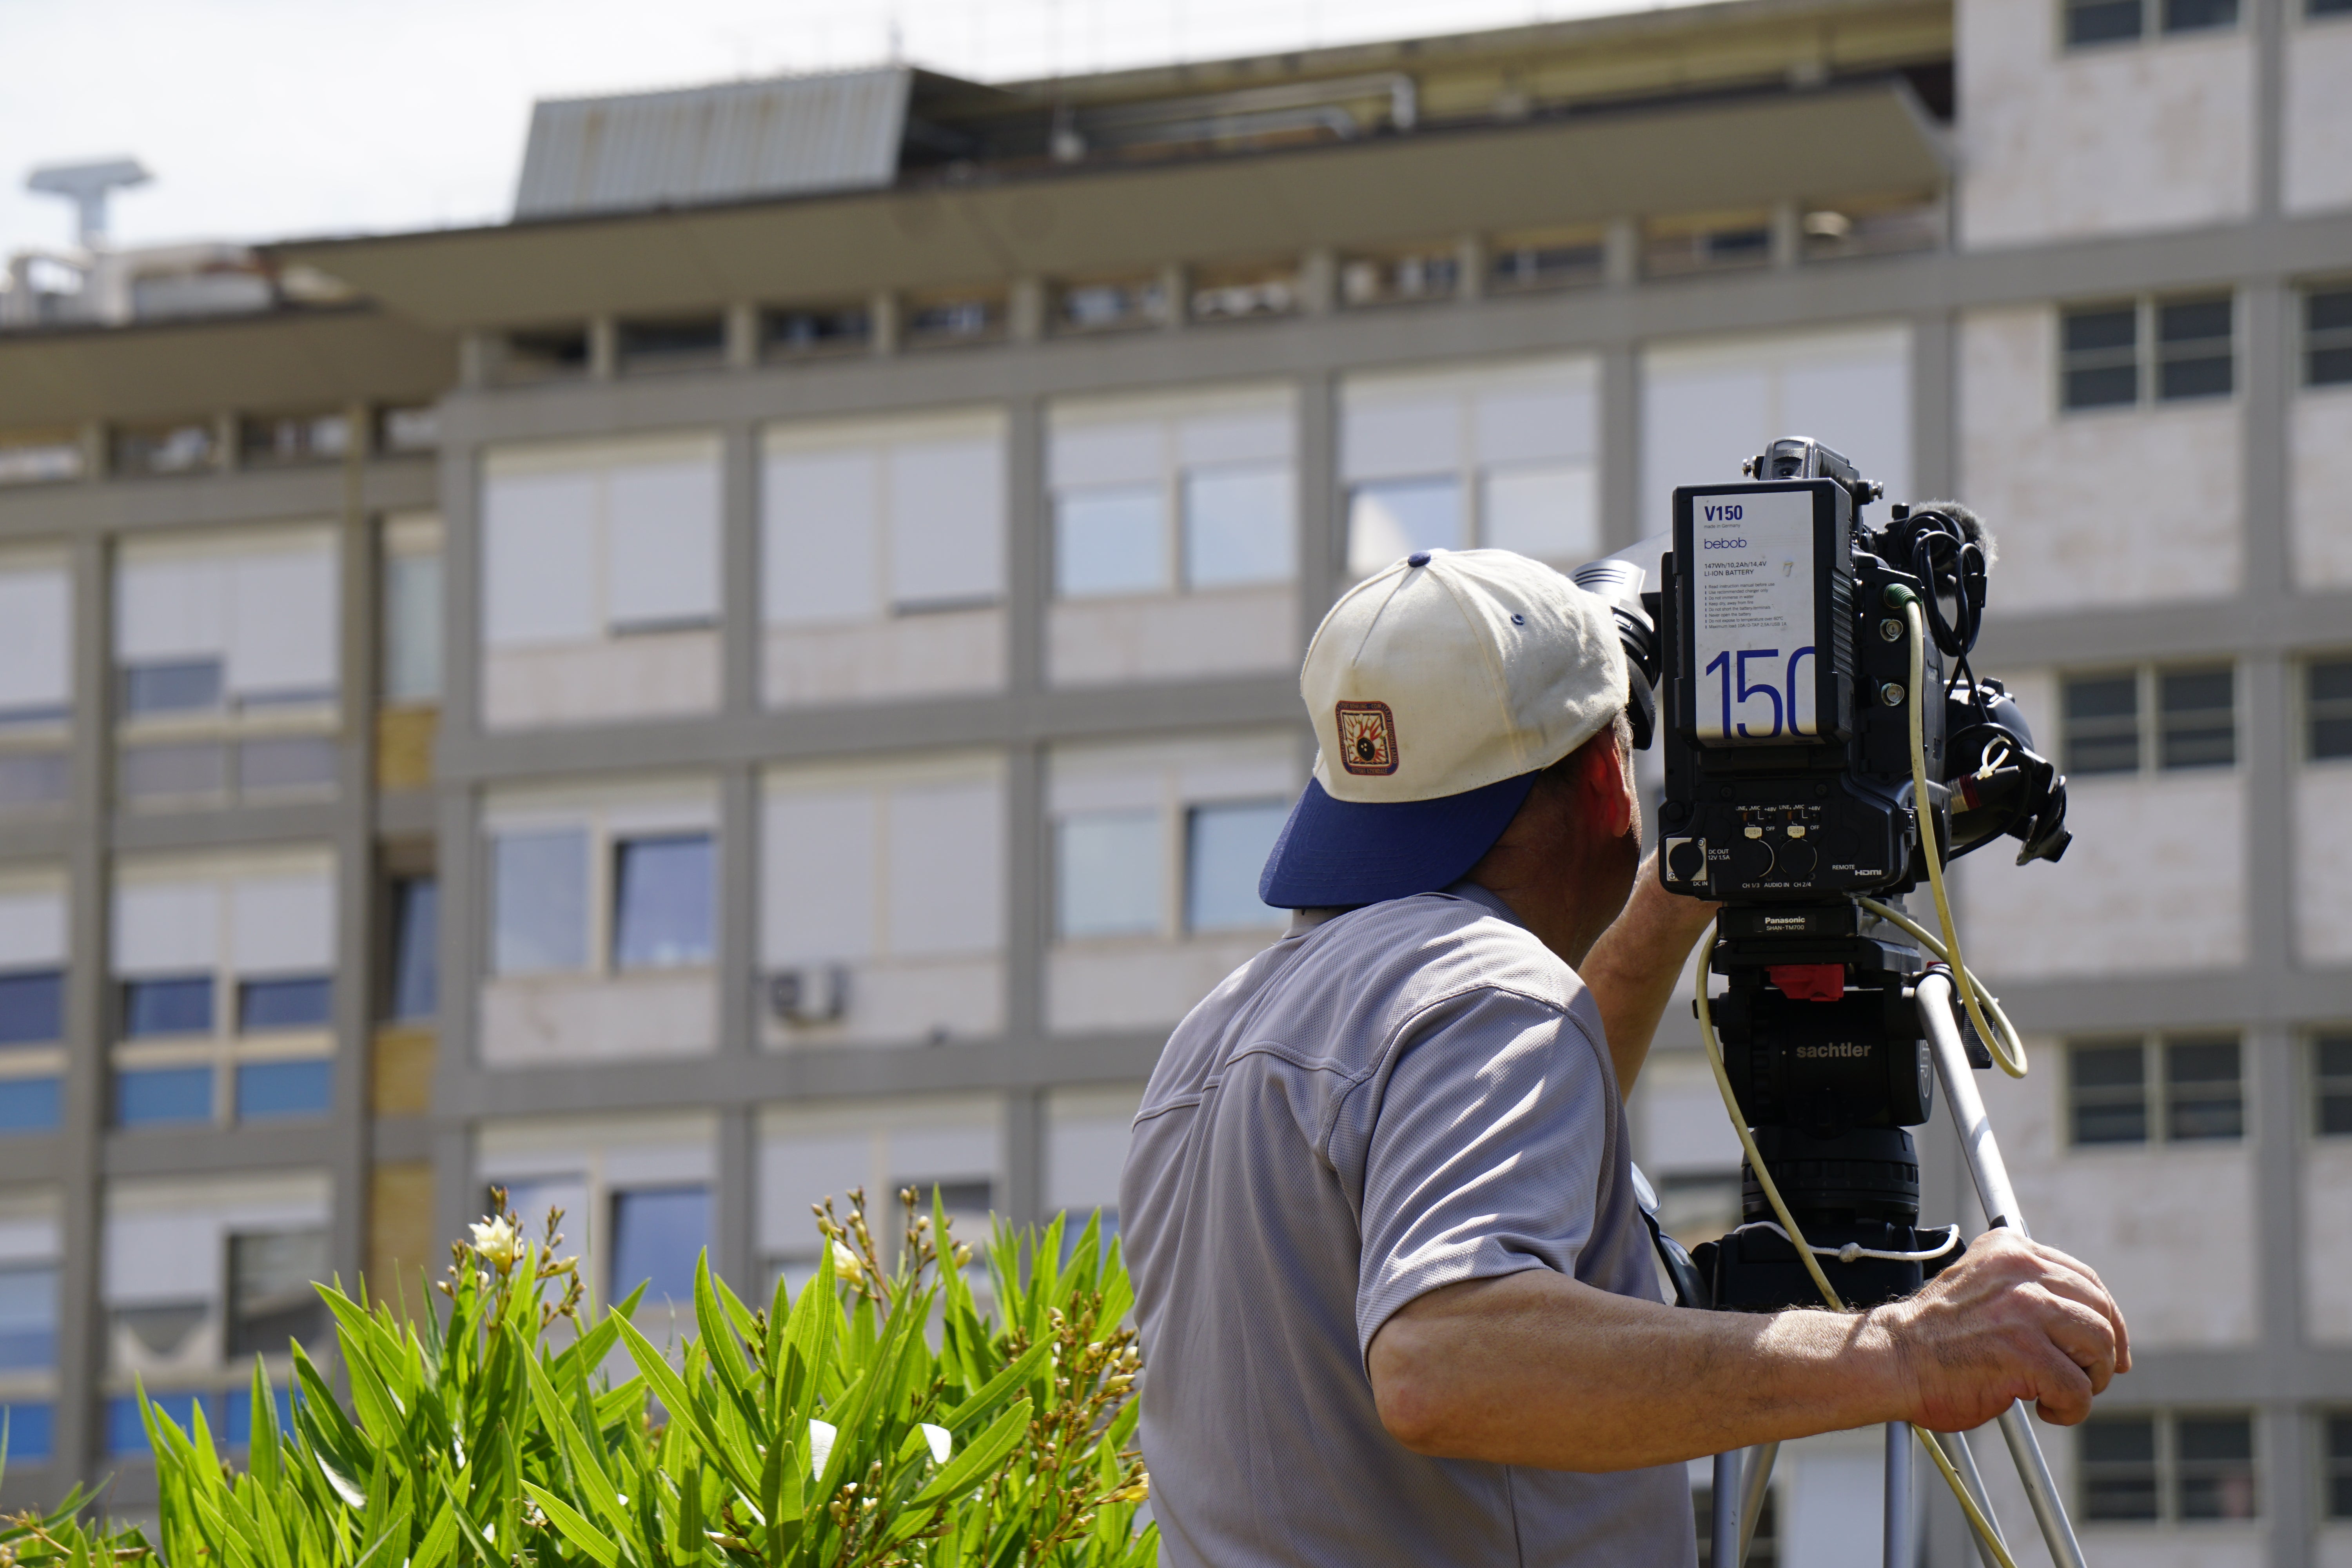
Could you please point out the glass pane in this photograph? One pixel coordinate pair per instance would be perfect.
(2109, 1093)
(31, 1104)
(2106, 697)
(662, 903)
(297, 1002)
(2203, 1096)
(1227, 847)
(32, 1007)
(1391, 518)
(28, 1317)
(412, 629)
(657, 1237)
(2118, 1468)
(2103, 724)
(2325, 366)
(32, 779)
(186, 768)
(2092, 331)
(2201, 1062)
(2183, 16)
(2329, 311)
(29, 1432)
(2189, 320)
(416, 947)
(2102, 387)
(173, 687)
(267, 1089)
(1106, 873)
(270, 1298)
(159, 1097)
(1237, 527)
(2199, 728)
(1550, 514)
(2204, 375)
(181, 1004)
(540, 899)
(2217, 1468)
(1109, 541)
(287, 762)
(2330, 681)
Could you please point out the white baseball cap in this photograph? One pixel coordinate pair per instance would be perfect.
(1438, 690)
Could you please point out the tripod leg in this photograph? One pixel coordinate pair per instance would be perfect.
(1956, 1448)
(1723, 1536)
(1753, 1482)
(2041, 1489)
(1897, 1515)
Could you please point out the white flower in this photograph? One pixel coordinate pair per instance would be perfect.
(496, 1240)
(821, 1437)
(941, 1441)
(846, 1265)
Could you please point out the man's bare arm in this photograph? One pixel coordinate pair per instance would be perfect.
(1536, 1368)
(1632, 969)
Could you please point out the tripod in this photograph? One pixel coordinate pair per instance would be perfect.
(1742, 1476)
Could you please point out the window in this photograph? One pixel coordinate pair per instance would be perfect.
(1501, 459)
(32, 1007)
(2100, 345)
(2339, 1466)
(680, 342)
(270, 1298)
(30, 1104)
(273, 440)
(36, 640)
(545, 354)
(415, 948)
(2328, 321)
(162, 1097)
(2118, 1470)
(412, 429)
(938, 321)
(29, 1431)
(1226, 847)
(662, 902)
(172, 686)
(2109, 1089)
(1559, 258)
(540, 901)
(2328, 707)
(813, 329)
(272, 1091)
(167, 1005)
(1235, 293)
(412, 610)
(1721, 244)
(298, 1002)
(2204, 1097)
(239, 623)
(1401, 277)
(28, 1317)
(658, 1235)
(2090, 22)
(1107, 873)
(583, 543)
(183, 448)
(39, 457)
(2331, 1085)
(2196, 720)
(2199, 728)
(2102, 724)
(1110, 304)
(871, 521)
(2193, 335)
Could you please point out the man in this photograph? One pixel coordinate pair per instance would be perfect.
(1397, 1302)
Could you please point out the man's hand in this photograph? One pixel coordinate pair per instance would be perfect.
(2011, 1319)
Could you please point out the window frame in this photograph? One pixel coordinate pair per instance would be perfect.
(2318, 1080)
(2148, 357)
(2307, 708)
(2149, 717)
(2171, 1472)
(2337, 339)
(2153, 29)
(2162, 1098)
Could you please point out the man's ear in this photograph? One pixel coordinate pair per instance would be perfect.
(1604, 791)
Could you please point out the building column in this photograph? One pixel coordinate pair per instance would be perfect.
(356, 903)
(1626, 514)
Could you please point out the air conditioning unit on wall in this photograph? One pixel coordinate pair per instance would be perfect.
(815, 993)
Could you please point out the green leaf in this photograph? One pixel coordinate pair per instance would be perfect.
(1030, 1363)
(440, 1537)
(982, 1456)
(576, 1529)
(681, 1406)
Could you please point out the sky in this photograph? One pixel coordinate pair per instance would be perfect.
(263, 119)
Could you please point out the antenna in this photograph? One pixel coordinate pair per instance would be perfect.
(87, 186)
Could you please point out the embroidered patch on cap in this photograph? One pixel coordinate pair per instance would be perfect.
(1367, 743)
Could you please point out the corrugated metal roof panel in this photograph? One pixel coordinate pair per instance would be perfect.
(728, 143)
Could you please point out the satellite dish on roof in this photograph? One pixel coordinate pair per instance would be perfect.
(86, 186)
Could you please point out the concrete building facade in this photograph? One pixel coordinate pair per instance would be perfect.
(679, 709)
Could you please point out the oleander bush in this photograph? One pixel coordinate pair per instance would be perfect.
(879, 1418)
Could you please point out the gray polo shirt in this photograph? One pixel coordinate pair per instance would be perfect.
(1382, 1103)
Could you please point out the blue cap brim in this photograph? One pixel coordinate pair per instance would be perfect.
(1339, 852)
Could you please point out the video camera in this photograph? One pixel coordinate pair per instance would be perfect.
(1781, 660)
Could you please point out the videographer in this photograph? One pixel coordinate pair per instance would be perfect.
(1396, 1300)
